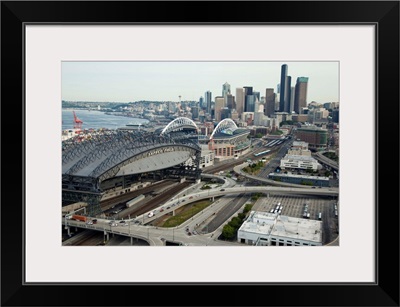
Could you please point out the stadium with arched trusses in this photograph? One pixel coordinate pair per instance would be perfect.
(228, 140)
(180, 124)
(94, 162)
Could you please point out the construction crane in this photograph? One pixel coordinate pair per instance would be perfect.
(77, 122)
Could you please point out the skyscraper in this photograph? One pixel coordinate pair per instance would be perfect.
(248, 90)
(250, 103)
(284, 89)
(226, 89)
(288, 94)
(230, 101)
(219, 104)
(207, 101)
(269, 102)
(239, 100)
(201, 103)
(300, 96)
(291, 104)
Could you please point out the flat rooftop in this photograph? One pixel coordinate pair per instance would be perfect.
(266, 223)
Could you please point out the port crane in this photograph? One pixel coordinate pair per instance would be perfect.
(77, 122)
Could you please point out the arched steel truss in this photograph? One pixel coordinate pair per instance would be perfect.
(179, 124)
(100, 155)
(224, 124)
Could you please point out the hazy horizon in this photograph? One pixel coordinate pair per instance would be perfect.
(129, 81)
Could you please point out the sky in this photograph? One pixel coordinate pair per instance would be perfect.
(167, 80)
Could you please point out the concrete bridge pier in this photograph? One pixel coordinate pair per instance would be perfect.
(106, 235)
(131, 240)
(68, 230)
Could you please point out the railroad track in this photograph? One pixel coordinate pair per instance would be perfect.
(86, 238)
(108, 203)
(155, 201)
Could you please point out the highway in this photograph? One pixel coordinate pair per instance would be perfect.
(324, 160)
(137, 227)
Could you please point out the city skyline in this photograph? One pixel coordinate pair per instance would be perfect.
(125, 81)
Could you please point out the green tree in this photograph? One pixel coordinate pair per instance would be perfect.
(228, 232)
(242, 216)
(235, 222)
(247, 208)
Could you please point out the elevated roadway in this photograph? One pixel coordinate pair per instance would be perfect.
(156, 236)
(238, 170)
(324, 160)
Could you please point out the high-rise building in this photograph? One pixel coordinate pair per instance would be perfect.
(300, 96)
(283, 88)
(207, 101)
(291, 104)
(248, 90)
(230, 101)
(226, 89)
(195, 112)
(239, 100)
(219, 104)
(288, 93)
(201, 103)
(269, 108)
(335, 115)
(250, 103)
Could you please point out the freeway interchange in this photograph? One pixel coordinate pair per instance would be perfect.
(138, 228)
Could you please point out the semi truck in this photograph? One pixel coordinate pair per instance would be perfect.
(81, 218)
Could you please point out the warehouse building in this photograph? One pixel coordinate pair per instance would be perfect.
(272, 229)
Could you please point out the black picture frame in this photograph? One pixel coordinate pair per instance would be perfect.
(383, 14)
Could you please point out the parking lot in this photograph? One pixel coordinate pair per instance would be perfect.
(305, 207)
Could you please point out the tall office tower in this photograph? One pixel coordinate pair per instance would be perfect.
(288, 93)
(291, 104)
(239, 100)
(257, 104)
(300, 96)
(195, 112)
(219, 104)
(230, 101)
(207, 102)
(269, 108)
(226, 89)
(248, 90)
(201, 103)
(284, 89)
(250, 103)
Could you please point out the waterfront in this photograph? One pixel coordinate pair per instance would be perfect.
(94, 119)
